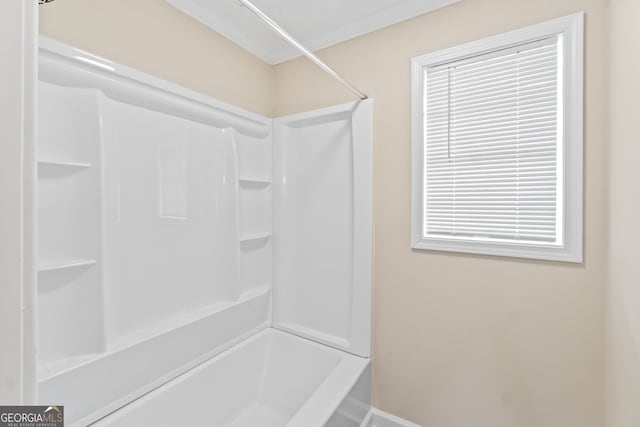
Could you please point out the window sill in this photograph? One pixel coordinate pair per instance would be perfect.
(513, 250)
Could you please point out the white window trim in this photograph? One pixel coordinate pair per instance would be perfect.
(571, 27)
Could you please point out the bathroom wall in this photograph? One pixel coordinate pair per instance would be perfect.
(154, 37)
(463, 340)
(623, 340)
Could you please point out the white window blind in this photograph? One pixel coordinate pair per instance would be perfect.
(493, 146)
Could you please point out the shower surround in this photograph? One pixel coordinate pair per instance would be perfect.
(173, 227)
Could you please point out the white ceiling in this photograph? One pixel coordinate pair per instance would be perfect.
(316, 23)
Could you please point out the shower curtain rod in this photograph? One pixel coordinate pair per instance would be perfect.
(295, 43)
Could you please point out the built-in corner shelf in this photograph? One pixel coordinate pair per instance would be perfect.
(254, 237)
(254, 182)
(63, 165)
(65, 265)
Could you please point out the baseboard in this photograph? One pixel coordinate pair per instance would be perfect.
(378, 418)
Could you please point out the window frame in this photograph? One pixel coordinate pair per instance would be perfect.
(572, 30)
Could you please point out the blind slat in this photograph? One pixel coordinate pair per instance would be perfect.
(502, 95)
(491, 110)
(505, 77)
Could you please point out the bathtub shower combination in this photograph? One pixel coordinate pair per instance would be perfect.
(198, 264)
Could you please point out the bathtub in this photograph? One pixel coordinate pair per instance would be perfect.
(273, 379)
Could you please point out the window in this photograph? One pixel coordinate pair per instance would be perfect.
(497, 145)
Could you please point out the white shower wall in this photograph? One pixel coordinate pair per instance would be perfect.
(144, 224)
(109, 171)
(167, 182)
(323, 225)
(154, 242)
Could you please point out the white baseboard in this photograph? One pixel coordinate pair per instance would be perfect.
(378, 418)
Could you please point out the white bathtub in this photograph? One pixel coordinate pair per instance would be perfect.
(273, 379)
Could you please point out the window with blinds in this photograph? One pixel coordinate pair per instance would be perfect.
(491, 146)
(497, 145)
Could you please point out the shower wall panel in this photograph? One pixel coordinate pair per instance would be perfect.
(154, 233)
(171, 214)
(322, 162)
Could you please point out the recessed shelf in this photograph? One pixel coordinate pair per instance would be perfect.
(59, 164)
(254, 182)
(63, 265)
(254, 236)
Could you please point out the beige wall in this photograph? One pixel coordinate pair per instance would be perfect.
(623, 358)
(462, 340)
(154, 37)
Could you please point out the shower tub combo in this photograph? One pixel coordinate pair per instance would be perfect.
(198, 263)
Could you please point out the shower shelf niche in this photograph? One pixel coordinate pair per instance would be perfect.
(63, 265)
(254, 183)
(255, 236)
(44, 164)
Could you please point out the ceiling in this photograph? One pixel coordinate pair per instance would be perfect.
(317, 24)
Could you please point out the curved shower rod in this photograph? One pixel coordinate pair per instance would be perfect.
(295, 43)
